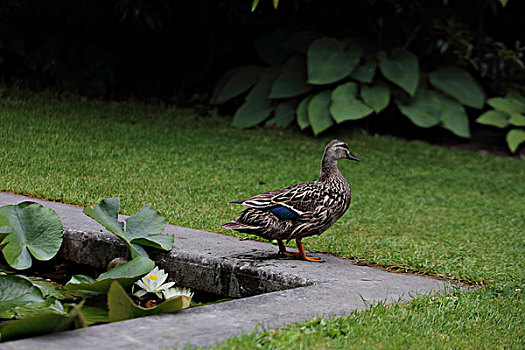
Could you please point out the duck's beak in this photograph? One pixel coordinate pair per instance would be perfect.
(352, 157)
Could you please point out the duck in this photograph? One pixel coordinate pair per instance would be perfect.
(299, 210)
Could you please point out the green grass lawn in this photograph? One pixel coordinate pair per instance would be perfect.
(415, 207)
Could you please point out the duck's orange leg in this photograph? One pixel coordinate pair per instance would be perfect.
(302, 253)
(283, 251)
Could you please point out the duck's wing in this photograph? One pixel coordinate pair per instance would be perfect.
(289, 202)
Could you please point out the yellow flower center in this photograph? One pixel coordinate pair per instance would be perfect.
(152, 277)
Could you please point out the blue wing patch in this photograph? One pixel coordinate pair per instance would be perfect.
(284, 213)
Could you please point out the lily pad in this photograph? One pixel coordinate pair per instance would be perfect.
(19, 297)
(121, 307)
(125, 274)
(44, 323)
(36, 231)
(143, 228)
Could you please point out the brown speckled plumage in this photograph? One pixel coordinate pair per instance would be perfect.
(300, 210)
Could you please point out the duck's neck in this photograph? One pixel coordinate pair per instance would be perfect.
(328, 169)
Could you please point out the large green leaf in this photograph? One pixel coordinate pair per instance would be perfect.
(365, 72)
(517, 119)
(143, 228)
(515, 137)
(507, 105)
(257, 107)
(284, 115)
(319, 112)
(494, 118)
(460, 85)
(424, 110)
(44, 323)
(239, 81)
(302, 113)
(36, 231)
(376, 97)
(453, 116)
(291, 81)
(401, 68)
(125, 274)
(19, 297)
(121, 307)
(330, 60)
(345, 104)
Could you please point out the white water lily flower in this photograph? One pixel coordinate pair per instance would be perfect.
(153, 282)
(172, 292)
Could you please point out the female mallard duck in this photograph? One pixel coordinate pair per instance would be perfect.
(300, 210)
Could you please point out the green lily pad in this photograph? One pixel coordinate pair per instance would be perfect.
(143, 228)
(121, 307)
(125, 274)
(44, 323)
(36, 231)
(19, 297)
(95, 314)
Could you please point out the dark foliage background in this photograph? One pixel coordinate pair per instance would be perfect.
(173, 49)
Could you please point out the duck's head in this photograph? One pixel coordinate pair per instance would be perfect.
(337, 149)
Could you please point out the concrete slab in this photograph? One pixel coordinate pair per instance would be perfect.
(294, 290)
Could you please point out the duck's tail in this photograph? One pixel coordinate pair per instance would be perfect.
(234, 225)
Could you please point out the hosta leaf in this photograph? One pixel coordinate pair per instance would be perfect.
(239, 82)
(517, 119)
(44, 323)
(125, 274)
(121, 307)
(345, 105)
(319, 112)
(494, 118)
(302, 113)
(453, 116)
(284, 115)
(301, 41)
(329, 60)
(365, 72)
(257, 107)
(401, 68)
(292, 80)
(515, 137)
(424, 110)
(507, 105)
(36, 231)
(376, 97)
(460, 85)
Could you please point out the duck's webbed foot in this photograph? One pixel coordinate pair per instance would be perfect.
(283, 251)
(300, 254)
